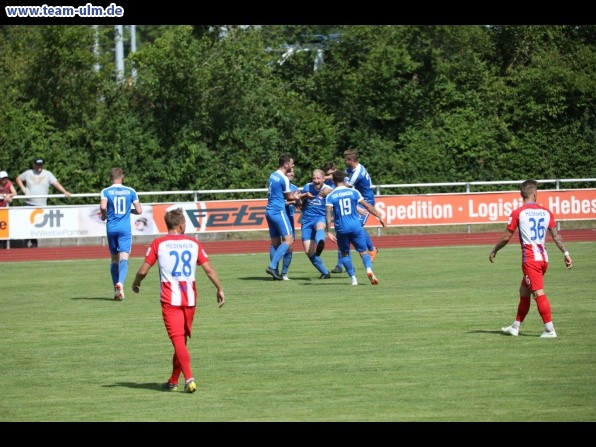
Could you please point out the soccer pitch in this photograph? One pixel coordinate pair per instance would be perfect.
(424, 345)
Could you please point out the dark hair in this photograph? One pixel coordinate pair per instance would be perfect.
(328, 166)
(285, 158)
(338, 176)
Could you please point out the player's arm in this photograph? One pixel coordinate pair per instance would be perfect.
(293, 199)
(103, 208)
(137, 208)
(293, 196)
(140, 276)
(371, 209)
(504, 240)
(212, 275)
(326, 189)
(328, 217)
(558, 239)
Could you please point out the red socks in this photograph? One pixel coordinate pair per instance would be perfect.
(523, 308)
(544, 309)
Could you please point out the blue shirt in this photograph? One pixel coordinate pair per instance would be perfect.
(291, 208)
(344, 202)
(120, 201)
(313, 208)
(277, 185)
(360, 180)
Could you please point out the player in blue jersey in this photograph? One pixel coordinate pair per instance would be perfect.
(313, 221)
(280, 228)
(117, 202)
(291, 206)
(329, 169)
(342, 204)
(357, 177)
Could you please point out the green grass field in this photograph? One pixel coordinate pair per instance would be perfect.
(425, 345)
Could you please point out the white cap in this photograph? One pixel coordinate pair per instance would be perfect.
(3, 174)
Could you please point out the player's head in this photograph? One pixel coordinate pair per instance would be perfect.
(286, 162)
(338, 177)
(318, 177)
(290, 174)
(175, 219)
(350, 157)
(116, 174)
(529, 190)
(329, 168)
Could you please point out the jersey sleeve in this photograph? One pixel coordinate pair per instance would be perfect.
(203, 257)
(513, 220)
(151, 255)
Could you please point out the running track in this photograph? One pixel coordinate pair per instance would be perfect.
(262, 246)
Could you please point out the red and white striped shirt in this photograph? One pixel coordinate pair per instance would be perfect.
(178, 256)
(532, 220)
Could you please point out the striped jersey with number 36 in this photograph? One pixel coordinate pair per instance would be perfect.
(533, 221)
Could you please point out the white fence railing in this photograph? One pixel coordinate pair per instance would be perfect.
(241, 215)
(195, 194)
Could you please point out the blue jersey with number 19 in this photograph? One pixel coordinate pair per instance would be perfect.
(344, 202)
(120, 199)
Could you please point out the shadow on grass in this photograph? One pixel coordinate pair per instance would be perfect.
(95, 298)
(134, 385)
(481, 331)
(270, 279)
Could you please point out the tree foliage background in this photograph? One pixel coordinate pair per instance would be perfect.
(215, 107)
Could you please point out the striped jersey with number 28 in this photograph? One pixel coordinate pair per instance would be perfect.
(178, 256)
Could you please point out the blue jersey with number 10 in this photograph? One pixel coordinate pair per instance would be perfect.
(120, 201)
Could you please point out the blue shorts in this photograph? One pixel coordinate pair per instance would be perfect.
(356, 238)
(119, 242)
(279, 224)
(309, 229)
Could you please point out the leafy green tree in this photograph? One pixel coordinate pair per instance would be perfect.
(213, 107)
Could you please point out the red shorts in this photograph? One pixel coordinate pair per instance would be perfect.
(534, 275)
(178, 319)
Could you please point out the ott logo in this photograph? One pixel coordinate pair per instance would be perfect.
(40, 219)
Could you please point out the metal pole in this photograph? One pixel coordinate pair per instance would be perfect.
(133, 49)
(118, 30)
(97, 66)
(468, 191)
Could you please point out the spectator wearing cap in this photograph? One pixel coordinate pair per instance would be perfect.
(7, 190)
(37, 181)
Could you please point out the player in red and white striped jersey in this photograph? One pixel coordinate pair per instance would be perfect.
(178, 256)
(532, 220)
